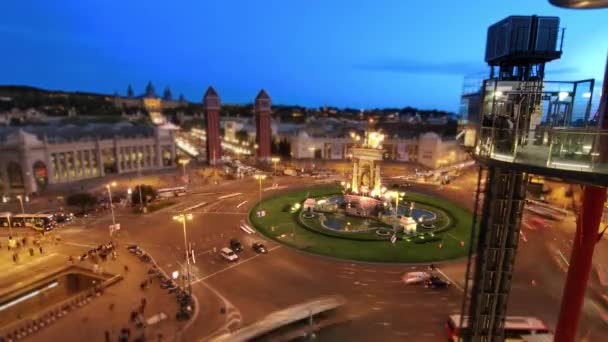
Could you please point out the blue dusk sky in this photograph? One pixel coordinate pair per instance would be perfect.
(362, 53)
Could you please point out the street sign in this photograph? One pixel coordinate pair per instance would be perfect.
(393, 239)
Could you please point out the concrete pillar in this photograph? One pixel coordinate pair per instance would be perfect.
(263, 134)
(355, 179)
(118, 156)
(80, 167)
(158, 149)
(585, 238)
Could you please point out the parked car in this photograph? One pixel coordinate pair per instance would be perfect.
(259, 248)
(415, 277)
(229, 254)
(435, 282)
(236, 246)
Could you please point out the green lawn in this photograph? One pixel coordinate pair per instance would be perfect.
(280, 224)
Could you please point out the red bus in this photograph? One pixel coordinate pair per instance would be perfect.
(516, 327)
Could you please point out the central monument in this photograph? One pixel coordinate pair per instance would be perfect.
(363, 193)
(366, 166)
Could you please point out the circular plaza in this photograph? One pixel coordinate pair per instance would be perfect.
(318, 220)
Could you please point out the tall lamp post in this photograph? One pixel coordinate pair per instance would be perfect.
(275, 160)
(183, 218)
(20, 198)
(260, 178)
(109, 188)
(183, 162)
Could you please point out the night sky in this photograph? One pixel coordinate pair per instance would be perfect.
(362, 53)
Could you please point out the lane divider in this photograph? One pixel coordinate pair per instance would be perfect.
(195, 206)
(246, 228)
(230, 195)
(240, 204)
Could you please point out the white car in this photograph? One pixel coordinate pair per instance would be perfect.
(229, 254)
(415, 277)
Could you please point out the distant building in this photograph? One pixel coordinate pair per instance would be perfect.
(428, 149)
(151, 102)
(36, 156)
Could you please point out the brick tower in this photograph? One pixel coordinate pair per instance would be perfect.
(211, 104)
(263, 133)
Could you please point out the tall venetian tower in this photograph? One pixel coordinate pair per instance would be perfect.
(263, 133)
(211, 104)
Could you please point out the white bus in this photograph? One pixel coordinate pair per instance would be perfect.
(5, 220)
(40, 222)
(171, 192)
(516, 327)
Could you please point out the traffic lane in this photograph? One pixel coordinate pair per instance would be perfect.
(539, 278)
(377, 297)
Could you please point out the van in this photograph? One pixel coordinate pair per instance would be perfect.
(229, 254)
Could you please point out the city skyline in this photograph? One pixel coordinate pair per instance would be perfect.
(309, 54)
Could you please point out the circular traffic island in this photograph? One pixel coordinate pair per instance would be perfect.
(316, 220)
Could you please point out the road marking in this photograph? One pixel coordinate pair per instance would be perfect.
(450, 280)
(240, 204)
(230, 195)
(246, 228)
(371, 271)
(198, 205)
(231, 266)
(563, 258)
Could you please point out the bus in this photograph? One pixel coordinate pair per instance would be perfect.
(516, 327)
(171, 192)
(5, 219)
(40, 222)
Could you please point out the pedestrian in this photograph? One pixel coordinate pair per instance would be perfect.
(107, 333)
(31, 251)
(114, 255)
(40, 248)
(23, 241)
(15, 257)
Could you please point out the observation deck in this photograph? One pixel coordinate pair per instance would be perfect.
(543, 127)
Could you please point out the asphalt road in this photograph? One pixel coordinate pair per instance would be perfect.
(380, 306)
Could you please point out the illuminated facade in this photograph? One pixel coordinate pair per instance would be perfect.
(366, 167)
(34, 157)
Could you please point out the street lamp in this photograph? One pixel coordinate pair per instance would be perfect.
(20, 198)
(183, 218)
(275, 160)
(109, 188)
(183, 162)
(260, 177)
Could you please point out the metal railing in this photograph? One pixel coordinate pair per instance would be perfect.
(573, 149)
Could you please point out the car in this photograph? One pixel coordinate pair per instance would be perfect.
(415, 277)
(259, 248)
(229, 254)
(435, 282)
(236, 246)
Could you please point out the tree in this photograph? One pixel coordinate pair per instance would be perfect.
(148, 194)
(84, 200)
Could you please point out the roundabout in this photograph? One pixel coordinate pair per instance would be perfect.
(317, 220)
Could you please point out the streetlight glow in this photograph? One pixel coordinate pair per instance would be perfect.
(182, 218)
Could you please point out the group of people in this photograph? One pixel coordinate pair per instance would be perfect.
(15, 245)
(100, 252)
